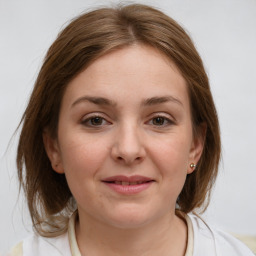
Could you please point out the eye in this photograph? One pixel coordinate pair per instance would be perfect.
(161, 121)
(93, 121)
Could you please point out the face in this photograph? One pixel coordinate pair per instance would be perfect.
(125, 140)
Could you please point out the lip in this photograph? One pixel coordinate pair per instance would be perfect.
(134, 178)
(118, 184)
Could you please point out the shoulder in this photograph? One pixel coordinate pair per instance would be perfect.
(208, 239)
(37, 245)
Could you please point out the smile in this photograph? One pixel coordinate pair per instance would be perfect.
(125, 183)
(128, 185)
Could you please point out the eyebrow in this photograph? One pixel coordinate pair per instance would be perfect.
(147, 102)
(160, 100)
(94, 100)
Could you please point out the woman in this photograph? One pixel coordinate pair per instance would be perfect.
(120, 141)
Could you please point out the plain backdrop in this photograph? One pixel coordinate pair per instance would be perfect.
(224, 32)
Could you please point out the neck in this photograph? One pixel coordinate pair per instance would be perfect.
(167, 236)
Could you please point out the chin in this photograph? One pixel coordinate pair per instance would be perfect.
(131, 218)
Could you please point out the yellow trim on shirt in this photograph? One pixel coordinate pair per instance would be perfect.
(17, 250)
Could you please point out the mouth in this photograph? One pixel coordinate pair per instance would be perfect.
(128, 181)
(125, 183)
(128, 185)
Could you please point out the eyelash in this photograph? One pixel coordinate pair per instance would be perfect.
(166, 121)
(88, 121)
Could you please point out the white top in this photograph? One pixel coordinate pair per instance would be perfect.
(202, 240)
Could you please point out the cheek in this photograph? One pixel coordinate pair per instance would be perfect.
(171, 158)
(172, 153)
(82, 157)
(81, 163)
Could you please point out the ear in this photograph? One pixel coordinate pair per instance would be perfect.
(197, 146)
(53, 152)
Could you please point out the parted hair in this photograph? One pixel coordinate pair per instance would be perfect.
(87, 38)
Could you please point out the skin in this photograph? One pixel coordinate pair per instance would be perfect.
(142, 127)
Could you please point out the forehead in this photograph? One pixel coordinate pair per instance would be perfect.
(133, 72)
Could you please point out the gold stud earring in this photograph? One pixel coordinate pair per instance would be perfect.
(192, 165)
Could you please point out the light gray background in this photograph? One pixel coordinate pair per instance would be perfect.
(224, 32)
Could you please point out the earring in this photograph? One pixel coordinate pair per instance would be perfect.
(55, 166)
(192, 165)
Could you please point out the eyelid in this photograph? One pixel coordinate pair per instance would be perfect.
(162, 114)
(93, 114)
(169, 118)
(89, 116)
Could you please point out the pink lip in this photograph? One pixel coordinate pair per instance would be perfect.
(134, 178)
(144, 183)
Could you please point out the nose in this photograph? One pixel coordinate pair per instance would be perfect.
(128, 147)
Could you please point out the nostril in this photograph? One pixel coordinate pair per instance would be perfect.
(129, 160)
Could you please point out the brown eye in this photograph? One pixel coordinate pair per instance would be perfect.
(96, 120)
(159, 120)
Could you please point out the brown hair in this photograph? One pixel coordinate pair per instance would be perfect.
(85, 39)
